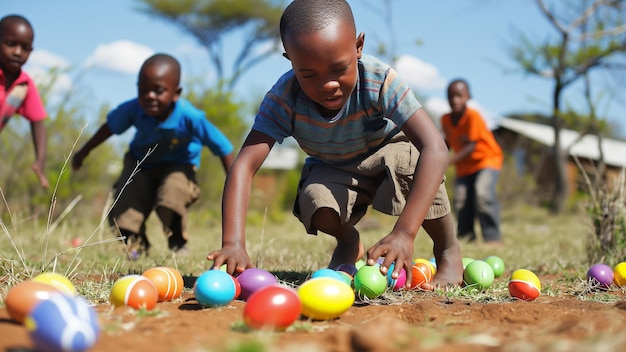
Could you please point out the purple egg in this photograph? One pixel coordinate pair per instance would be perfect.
(253, 279)
(600, 275)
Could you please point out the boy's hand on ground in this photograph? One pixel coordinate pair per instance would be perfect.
(43, 180)
(396, 249)
(236, 260)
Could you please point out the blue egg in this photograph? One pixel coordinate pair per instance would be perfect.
(214, 288)
(63, 323)
(334, 274)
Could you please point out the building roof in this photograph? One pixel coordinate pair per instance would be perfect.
(587, 147)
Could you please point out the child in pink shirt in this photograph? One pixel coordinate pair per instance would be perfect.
(18, 93)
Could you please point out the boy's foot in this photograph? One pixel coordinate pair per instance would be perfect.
(136, 246)
(449, 269)
(346, 253)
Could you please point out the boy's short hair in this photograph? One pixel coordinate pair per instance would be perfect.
(460, 80)
(304, 16)
(13, 19)
(164, 59)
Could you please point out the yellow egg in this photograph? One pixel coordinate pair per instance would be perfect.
(527, 276)
(59, 281)
(432, 267)
(325, 298)
(619, 274)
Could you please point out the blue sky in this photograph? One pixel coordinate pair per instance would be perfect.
(105, 42)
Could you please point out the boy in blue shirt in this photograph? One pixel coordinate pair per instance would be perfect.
(368, 140)
(162, 159)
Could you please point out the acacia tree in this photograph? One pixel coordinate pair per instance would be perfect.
(212, 22)
(590, 36)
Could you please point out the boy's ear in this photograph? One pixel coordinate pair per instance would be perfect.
(177, 93)
(286, 56)
(360, 41)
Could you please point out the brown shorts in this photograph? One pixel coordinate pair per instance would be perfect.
(383, 180)
(171, 186)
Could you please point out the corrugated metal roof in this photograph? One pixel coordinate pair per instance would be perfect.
(587, 147)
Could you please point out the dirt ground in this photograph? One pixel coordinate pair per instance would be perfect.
(428, 321)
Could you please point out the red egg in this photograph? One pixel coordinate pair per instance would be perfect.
(237, 287)
(523, 290)
(23, 297)
(273, 307)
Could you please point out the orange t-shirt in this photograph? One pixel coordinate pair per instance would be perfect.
(472, 128)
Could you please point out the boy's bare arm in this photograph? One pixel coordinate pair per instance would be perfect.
(398, 245)
(40, 140)
(103, 133)
(227, 161)
(235, 203)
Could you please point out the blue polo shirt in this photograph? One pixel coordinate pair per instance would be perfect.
(178, 140)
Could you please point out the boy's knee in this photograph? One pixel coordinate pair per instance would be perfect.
(325, 218)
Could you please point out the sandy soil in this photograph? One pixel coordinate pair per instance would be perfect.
(428, 321)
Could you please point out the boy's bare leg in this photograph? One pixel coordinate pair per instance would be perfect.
(349, 247)
(447, 252)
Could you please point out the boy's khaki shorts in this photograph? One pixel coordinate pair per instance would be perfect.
(383, 180)
(171, 186)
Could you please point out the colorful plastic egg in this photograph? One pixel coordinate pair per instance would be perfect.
(168, 282)
(325, 298)
(524, 285)
(478, 274)
(619, 274)
(600, 276)
(23, 297)
(253, 279)
(421, 274)
(396, 284)
(369, 281)
(273, 307)
(63, 323)
(214, 288)
(134, 291)
(497, 264)
(430, 264)
(57, 280)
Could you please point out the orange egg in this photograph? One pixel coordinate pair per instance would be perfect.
(422, 274)
(23, 297)
(134, 291)
(168, 282)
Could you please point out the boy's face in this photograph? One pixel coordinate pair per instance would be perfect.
(16, 44)
(458, 97)
(157, 90)
(325, 64)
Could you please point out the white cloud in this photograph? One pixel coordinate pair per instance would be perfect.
(46, 59)
(120, 56)
(39, 66)
(419, 74)
(437, 107)
(189, 50)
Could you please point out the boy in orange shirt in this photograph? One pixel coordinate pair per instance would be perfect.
(478, 161)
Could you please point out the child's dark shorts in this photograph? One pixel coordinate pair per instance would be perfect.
(383, 180)
(171, 186)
